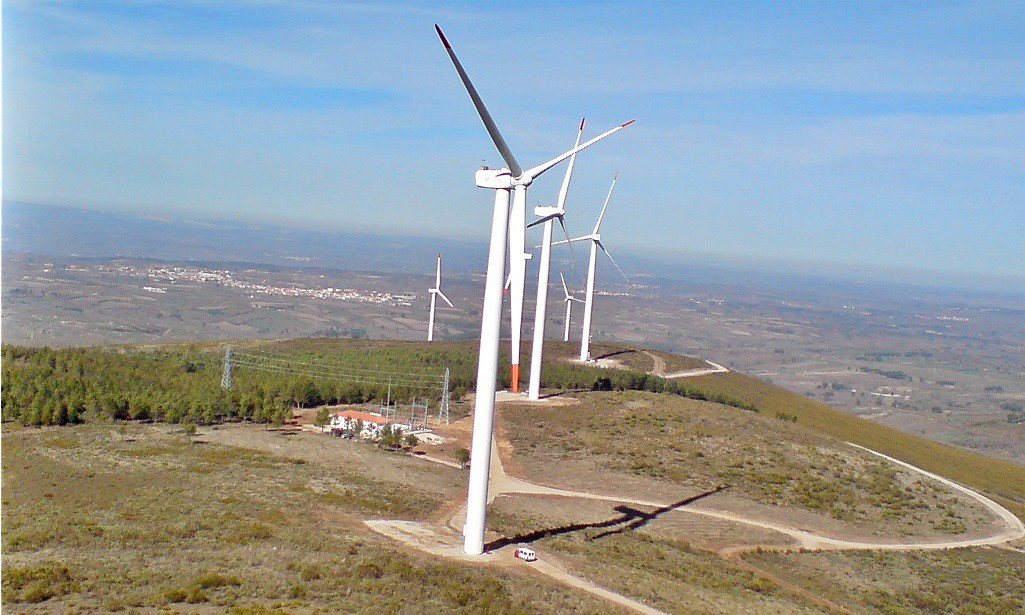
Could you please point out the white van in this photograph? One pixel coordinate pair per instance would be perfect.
(525, 553)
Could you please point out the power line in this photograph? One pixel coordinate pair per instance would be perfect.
(408, 380)
(407, 376)
(412, 382)
(428, 381)
(337, 376)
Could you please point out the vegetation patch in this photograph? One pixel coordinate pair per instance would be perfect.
(181, 383)
(38, 583)
(976, 580)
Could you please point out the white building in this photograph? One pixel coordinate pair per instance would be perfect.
(372, 423)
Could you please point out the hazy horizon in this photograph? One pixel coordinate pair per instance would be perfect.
(635, 262)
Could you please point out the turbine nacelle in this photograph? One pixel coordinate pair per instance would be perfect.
(565, 291)
(546, 213)
(494, 179)
(436, 291)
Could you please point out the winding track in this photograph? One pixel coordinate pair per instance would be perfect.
(660, 368)
(501, 483)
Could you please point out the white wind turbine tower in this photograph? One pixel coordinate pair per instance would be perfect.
(569, 307)
(519, 180)
(502, 181)
(435, 293)
(547, 215)
(596, 243)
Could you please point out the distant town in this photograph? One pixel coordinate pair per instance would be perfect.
(224, 277)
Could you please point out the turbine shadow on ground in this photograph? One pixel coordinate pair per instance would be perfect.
(565, 392)
(609, 355)
(629, 519)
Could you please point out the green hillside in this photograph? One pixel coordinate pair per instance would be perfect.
(181, 383)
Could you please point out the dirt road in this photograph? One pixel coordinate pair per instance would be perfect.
(501, 483)
(446, 539)
(660, 368)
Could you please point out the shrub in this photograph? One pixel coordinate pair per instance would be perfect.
(213, 580)
(35, 584)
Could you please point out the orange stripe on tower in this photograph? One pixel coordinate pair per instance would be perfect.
(515, 377)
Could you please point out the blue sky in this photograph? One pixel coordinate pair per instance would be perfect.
(853, 133)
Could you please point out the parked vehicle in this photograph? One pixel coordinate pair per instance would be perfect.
(525, 553)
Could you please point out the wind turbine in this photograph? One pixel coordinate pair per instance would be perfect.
(519, 180)
(435, 293)
(502, 181)
(596, 243)
(547, 215)
(569, 307)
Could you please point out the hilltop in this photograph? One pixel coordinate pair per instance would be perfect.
(706, 493)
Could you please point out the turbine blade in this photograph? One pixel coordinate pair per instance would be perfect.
(603, 207)
(564, 190)
(613, 261)
(437, 276)
(581, 238)
(533, 172)
(564, 288)
(562, 223)
(482, 111)
(540, 221)
(445, 299)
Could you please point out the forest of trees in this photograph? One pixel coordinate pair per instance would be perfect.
(180, 384)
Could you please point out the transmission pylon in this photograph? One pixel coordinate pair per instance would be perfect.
(443, 406)
(226, 376)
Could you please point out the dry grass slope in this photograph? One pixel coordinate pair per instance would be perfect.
(956, 581)
(1001, 480)
(659, 443)
(100, 519)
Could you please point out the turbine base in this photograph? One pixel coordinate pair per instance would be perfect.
(514, 377)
